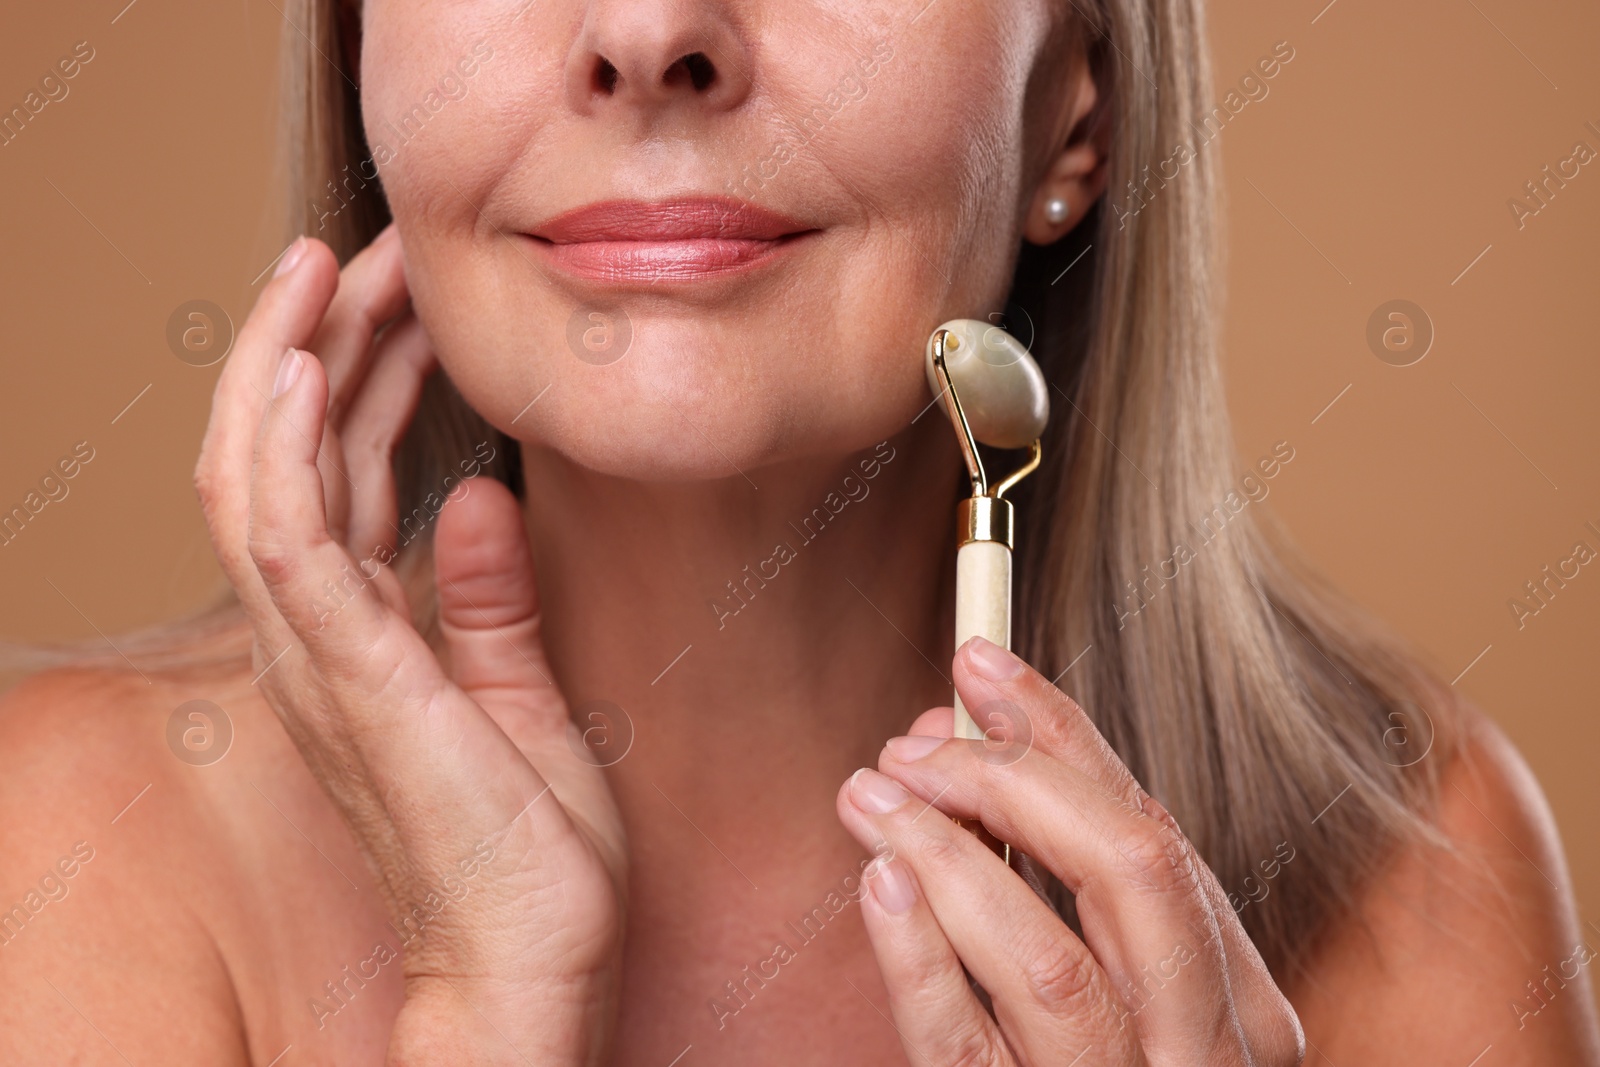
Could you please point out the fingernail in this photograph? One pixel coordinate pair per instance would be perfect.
(291, 257)
(912, 748)
(876, 793)
(991, 661)
(288, 372)
(891, 887)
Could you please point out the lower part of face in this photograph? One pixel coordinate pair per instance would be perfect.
(672, 241)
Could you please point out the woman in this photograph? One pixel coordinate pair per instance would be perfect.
(551, 700)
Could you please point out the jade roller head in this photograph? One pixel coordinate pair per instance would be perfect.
(994, 395)
(990, 387)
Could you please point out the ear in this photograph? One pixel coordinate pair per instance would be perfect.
(1076, 176)
(349, 16)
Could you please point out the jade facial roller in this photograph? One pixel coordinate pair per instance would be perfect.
(995, 395)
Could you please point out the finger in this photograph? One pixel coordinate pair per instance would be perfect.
(372, 291)
(291, 312)
(378, 416)
(940, 1020)
(1056, 726)
(286, 315)
(1050, 995)
(490, 620)
(1140, 889)
(388, 705)
(935, 722)
(1270, 1024)
(309, 577)
(488, 599)
(1015, 703)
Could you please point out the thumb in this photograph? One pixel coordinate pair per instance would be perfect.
(489, 616)
(489, 603)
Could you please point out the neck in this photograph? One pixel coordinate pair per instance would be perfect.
(762, 642)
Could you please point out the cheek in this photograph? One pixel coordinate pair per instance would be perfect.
(933, 151)
(438, 88)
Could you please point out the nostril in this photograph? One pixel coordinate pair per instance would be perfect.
(701, 70)
(694, 71)
(696, 68)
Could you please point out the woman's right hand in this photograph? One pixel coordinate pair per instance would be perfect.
(464, 787)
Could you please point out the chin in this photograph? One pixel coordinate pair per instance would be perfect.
(690, 399)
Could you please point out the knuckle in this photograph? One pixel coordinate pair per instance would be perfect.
(938, 848)
(277, 563)
(1069, 716)
(207, 485)
(1159, 858)
(349, 324)
(210, 488)
(1284, 1044)
(1059, 976)
(972, 1046)
(926, 970)
(370, 446)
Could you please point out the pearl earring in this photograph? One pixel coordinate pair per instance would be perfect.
(1055, 210)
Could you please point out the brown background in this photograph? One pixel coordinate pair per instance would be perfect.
(1378, 167)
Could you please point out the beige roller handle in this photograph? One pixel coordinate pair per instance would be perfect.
(983, 607)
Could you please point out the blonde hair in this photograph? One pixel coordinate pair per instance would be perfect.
(1261, 710)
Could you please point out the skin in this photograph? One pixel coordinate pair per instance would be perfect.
(586, 914)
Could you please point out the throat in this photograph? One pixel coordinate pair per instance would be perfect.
(750, 651)
(743, 969)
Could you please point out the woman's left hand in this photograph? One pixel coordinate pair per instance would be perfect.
(1164, 973)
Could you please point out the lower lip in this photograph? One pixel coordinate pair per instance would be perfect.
(662, 261)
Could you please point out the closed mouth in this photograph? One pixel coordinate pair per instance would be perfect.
(680, 239)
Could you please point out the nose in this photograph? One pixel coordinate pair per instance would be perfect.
(652, 55)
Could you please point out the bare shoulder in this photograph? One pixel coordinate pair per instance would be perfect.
(94, 944)
(179, 888)
(1471, 951)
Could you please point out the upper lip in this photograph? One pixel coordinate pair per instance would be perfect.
(707, 218)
